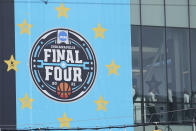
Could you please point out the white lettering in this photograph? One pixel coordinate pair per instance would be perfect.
(60, 55)
(48, 73)
(67, 75)
(54, 55)
(77, 74)
(57, 73)
(46, 55)
(77, 57)
(70, 56)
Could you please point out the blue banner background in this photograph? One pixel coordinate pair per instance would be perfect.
(83, 15)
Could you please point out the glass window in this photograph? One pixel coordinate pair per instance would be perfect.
(135, 14)
(155, 112)
(176, 2)
(180, 113)
(135, 2)
(193, 111)
(193, 16)
(193, 63)
(154, 68)
(152, 15)
(181, 128)
(192, 2)
(139, 128)
(160, 127)
(136, 66)
(176, 16)
(160, 2)
(178, 64)
(137, 112)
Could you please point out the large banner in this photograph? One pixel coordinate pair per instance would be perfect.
(73, 63)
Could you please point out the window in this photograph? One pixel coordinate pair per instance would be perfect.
(177, 13)
(178, 73)
(193, 63)
(178, 63)
(136, 66)
(152, 12)
(135, 12)
(154, 68)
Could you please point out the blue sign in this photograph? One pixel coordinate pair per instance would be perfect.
(75, 64)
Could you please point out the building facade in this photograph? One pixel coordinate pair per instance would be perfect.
(164, 69)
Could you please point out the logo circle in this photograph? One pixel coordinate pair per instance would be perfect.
(63, 65)
(63, 36)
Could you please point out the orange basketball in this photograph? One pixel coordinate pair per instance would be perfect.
(63, 90)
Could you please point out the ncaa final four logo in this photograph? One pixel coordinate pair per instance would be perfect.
(63, 65)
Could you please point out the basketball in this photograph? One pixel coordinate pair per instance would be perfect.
(63, 90)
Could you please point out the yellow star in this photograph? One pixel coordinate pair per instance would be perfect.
(25, 27)
(99, 31)
(113, 68)
(101, 104)
(12, 63)
(64, 121)
(62, 11)
(26, 101)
